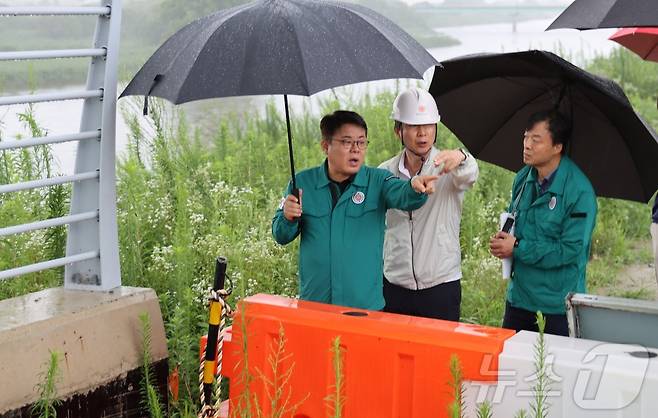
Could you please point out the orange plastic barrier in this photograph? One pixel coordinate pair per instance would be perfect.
(393, 365)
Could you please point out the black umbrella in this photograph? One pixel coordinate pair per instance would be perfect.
(595, 14)
(486, 100)
(284, 47)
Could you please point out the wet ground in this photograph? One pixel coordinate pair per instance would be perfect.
(638, 279)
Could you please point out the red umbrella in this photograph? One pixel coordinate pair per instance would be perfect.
(642, 41)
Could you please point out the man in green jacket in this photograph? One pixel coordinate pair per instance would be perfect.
(555, 213)
(341, 221)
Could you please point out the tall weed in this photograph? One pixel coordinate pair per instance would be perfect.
(45, 406)
(336, 398)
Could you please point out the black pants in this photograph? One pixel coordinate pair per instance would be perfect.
(518, 319)
(442, 301)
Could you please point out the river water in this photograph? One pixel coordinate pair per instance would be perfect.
(578, 47)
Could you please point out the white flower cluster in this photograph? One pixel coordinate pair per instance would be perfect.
(201, 287)
(161, 260)
(197, 219)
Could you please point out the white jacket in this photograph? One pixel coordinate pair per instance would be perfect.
(421, 248)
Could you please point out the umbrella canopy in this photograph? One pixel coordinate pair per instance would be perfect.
(284, 47)
(642, 41)
(596, 14)
(486, 100)
(295, 47)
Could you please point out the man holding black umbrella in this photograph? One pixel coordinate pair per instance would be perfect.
(340, 217)
(555, 212)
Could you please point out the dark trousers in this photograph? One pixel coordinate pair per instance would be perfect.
(518, 319)
(442, 301)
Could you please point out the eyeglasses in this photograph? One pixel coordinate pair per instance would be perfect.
(347, 143)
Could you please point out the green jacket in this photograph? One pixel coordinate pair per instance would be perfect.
(341, 250)
(555, 232)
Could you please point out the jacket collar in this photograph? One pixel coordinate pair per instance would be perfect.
(559, 179)
(428, 162)
(359, 178)
(558, 184)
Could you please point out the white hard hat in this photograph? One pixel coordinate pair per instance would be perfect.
(415, 107)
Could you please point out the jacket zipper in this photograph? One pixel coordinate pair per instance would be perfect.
(411, 229)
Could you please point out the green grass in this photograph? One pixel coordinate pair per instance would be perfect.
(641, 293)
(45, 406)
(456, 408)
(335, 400)
(148, 386)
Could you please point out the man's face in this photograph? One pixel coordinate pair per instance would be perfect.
(418, 138)
(538, 148)
(344, 154)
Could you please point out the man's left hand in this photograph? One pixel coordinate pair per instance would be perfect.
(502, 245)
(450, 160)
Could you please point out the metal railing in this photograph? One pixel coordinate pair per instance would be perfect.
(92, 251)
(62, 53)
(61, 11)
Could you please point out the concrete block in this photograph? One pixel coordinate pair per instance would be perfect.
(98, 335)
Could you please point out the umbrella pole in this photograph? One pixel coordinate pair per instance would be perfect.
(295, 191)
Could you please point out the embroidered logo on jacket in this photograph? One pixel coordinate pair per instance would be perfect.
(358, 198)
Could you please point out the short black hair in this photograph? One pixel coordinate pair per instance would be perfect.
(558, 125)
(332, 122)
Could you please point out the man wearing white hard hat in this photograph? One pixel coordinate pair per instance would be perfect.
(422, 258)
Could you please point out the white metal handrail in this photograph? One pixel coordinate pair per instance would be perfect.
(45, 265)
(50, 97)
(92, 247)
(46, 140)
(52, 54)
(55, 11)
(48, 223)
(50, 181)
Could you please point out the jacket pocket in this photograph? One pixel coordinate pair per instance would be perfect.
(315, 219)
(365, 209)
(549, 229)
(316, 212)
(439, 258)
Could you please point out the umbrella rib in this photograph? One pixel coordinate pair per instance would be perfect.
(396, 50)
(304, 80)
(237, 10)
(651, 51)
(512, 114)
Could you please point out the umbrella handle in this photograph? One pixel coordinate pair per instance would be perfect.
(295, 190)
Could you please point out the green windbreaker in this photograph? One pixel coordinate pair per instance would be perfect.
(340, 254)
(555, 232)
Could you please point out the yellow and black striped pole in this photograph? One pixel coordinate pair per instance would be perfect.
(213, 331)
